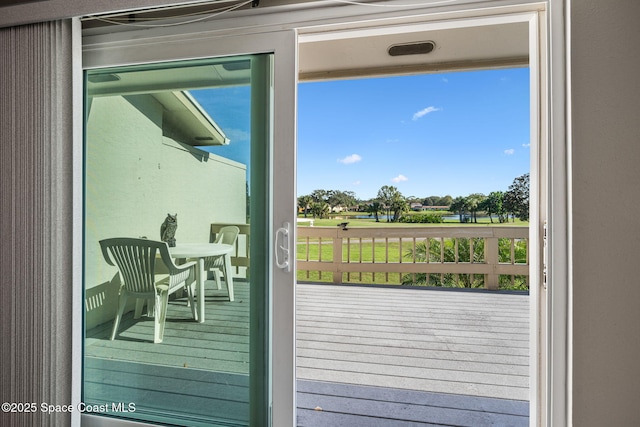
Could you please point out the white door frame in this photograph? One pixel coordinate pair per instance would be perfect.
(282, 44)
(536, 20)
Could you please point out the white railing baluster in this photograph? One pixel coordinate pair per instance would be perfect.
(394, 265)
(348, 257)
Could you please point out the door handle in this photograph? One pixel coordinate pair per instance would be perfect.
(284, 249)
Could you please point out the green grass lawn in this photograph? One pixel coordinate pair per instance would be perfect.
(367, 252)
(355, 252)
(371, 222)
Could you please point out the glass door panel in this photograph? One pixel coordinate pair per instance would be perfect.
(178, 153)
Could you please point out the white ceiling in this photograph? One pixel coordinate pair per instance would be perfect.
(334, 50)
(364, 53)
(220, 72)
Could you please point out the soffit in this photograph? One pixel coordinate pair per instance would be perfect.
(223, 73)
(504, 45)
(186, 121)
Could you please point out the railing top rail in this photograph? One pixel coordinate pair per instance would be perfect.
(502, 231)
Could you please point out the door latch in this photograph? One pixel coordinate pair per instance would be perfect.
(283, 247)
(545, 255)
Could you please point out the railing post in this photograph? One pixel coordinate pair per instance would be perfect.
(491, 258)
(337, 260)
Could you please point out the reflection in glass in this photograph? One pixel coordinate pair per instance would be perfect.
(162, 142)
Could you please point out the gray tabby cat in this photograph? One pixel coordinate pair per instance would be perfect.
(168, 230)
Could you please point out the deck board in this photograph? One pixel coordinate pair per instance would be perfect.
(328, 404)
(390, 338)
(202, 396)
(367, 356)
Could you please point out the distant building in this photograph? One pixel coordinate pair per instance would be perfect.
(418, 207)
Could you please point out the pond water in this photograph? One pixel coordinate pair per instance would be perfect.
(448, 218)
(380, 217)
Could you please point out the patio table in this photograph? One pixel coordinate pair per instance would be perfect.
(198, 252)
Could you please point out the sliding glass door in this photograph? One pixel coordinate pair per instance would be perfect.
(183, 156)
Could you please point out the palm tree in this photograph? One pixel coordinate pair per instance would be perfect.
(445, 251)
(399, 206)
(474, 203)
(493, 205)
(374, 209)
(320, 209)
(393, 200)
(304, 202)
(459, 206)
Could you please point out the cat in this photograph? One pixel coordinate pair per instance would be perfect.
(168, 230)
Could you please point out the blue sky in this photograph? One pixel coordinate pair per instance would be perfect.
(428, 135)
(230, 108)
(437, 134)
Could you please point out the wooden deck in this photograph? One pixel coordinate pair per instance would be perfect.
(375, 356)
(366, 357)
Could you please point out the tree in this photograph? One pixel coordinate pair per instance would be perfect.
(319, 196)
(374, 209)
(350, 198)
(399, 206)
(430, 201)
(392, 200)
(444, 201)
(474, 203)
(304, 202)
(337, 198)
(516, 199)
(385, 195)
(438, 201)
(459, 206)
(320, 209)
(493, 205)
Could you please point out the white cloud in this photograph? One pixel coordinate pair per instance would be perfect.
(509, 152)
(354, 158)
(355, 183)
(399, 178)
(526, 145)
(237, 135)
(424, 112)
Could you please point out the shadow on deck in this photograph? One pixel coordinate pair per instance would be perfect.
(365, 357)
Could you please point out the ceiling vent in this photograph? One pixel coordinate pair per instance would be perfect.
(417, 48)
(103, 78)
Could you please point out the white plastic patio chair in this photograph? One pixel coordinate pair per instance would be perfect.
(227, 235)
(136, 260)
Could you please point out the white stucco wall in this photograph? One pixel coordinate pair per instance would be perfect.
(606, 230)
(135, 176)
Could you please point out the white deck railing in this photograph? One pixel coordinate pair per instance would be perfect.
(381, 251)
